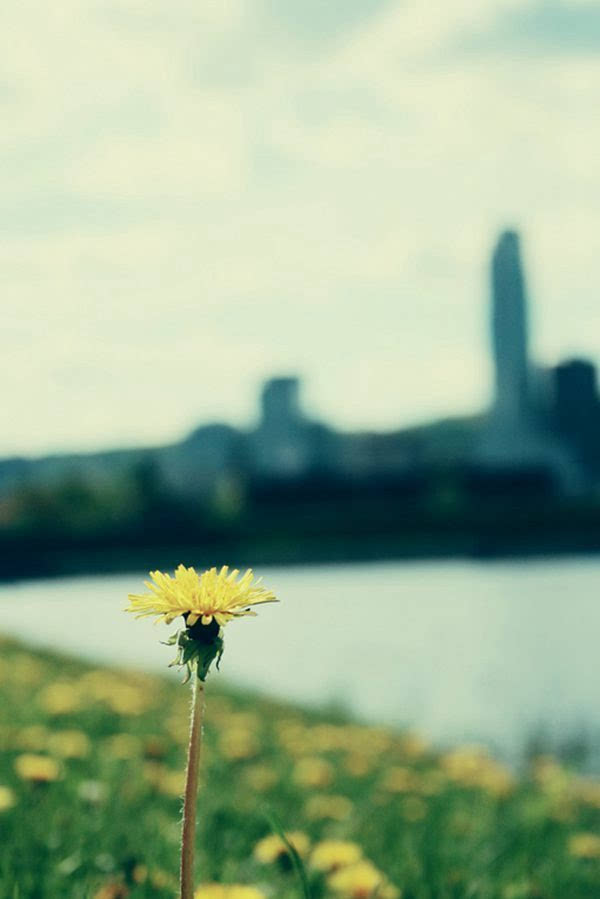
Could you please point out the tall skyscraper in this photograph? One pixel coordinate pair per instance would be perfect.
(509, 332)
(513, 436)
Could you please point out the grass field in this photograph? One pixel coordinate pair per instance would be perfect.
(91, 768)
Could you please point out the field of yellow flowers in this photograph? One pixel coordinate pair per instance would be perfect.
(91, 774)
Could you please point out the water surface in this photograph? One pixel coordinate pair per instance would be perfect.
(463, 651)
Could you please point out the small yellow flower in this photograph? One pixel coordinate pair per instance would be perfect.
(357, 764)
(588, 791)
(69, 744)
(238, 743)
(227, 891)
(166, 780)
(400, 780)
(584, 845)
(61, 698)
(272, 847)
(362, 881)
(321, 806)
(331, 855)
(7, 798)
(471, 766)
(39, 768)
(213, 594)
(313, 772)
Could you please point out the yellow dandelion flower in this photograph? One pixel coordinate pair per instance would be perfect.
(321, 806)
(272, 847)
(361, 881)
(112, 890)
(313, 772)
(38, 768)
(7, 798)
(331, 855)
(584, 845)
(588, 791)
(400, 780)
(227, 891)
(238, 743)
(357, 764)
(69, 744)
(61, 698)
(217, 595)
(471, 766)
(166, 780)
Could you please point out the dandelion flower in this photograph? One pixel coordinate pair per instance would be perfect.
(232, 891)
(37, 768)
(223, 891)
(584, 845)
(69, 744)
(361, 881)
(272, 847)
(313, 772)
(217, 595)
(321, 806)
(330, 855)
(7, 798)
(207, 602)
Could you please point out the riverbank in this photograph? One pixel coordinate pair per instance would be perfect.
(91, 763)
(48, 559)
(513, 642)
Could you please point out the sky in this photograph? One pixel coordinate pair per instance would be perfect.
(197, 195)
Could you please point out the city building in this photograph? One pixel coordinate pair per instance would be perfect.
(541, 421)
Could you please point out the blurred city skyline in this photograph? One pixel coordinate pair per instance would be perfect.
(198, 198)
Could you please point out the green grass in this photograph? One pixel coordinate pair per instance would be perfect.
(447, 826)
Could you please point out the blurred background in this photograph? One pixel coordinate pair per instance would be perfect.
(312, 287)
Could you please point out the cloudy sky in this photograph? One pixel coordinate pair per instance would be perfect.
(199, 193)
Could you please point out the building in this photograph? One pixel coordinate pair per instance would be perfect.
(510, 335)
(281, 445)
(576, 410)
(517, 435)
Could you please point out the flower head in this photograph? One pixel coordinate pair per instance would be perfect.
(584, 845)
(330, 855)
(217, 595)
(207, 602)
(232, 891)
(272, 847)
(37, 768)
(361, 881)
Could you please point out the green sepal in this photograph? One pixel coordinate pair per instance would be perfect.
(195, 654)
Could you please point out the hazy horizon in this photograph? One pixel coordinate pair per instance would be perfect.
(197, 198)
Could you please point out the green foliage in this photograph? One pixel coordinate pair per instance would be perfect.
(91, 765)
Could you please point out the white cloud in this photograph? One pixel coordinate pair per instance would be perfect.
(190, 209)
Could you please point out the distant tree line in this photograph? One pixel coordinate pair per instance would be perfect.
(136, 522)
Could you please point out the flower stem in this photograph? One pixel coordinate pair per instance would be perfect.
(188, 831)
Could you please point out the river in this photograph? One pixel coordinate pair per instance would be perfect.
(462, 651)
